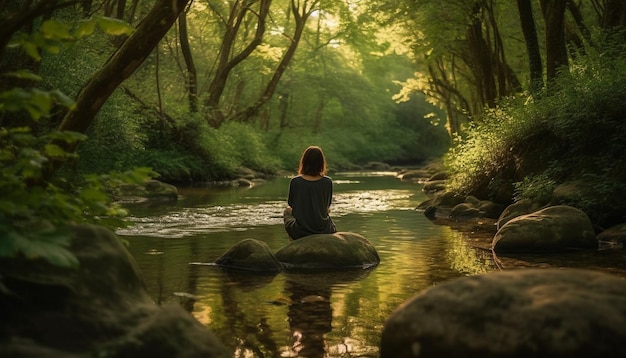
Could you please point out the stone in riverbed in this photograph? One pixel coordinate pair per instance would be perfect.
(341, 250)
(251, 255)
(555, 228)
(100, 309)
(521, 313)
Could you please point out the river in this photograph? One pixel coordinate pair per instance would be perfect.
(336, 314)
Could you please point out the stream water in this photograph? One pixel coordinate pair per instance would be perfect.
(333, 314)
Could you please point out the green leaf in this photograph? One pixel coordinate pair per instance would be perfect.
(31, 50)
(68, 136)
(93, 195)
(24, 75)
(114, 27)
(63, 99)
(48, 245)
(40, 104)
(55, 30)
(54, 151)
(85, 28)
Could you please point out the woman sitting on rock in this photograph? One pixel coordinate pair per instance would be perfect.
(310, 196)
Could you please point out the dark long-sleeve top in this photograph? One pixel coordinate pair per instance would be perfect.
(310, 202)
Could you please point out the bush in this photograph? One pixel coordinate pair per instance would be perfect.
(523, 149)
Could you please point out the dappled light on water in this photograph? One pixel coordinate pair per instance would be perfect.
(190, 221)
(193, 221)
(286, 314)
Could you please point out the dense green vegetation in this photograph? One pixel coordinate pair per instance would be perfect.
(533, 96)
(339, 97)
(529, 95)
(571, 140)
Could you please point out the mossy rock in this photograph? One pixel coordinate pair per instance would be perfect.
(249, 255)
(341, 250)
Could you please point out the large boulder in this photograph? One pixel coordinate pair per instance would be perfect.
(250, 255)
(519, 208)
(100, 309)
(539, 313)
(340, 250)
(555, 228)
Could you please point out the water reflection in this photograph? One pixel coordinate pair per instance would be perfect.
(296, 314)
(310, 312)
(240, 209)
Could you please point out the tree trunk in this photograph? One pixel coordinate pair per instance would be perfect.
(120, 66)
(20, 16)
(191, 74)
(301, 15)
(556, 52)
(532, 46)
(121, 8)
(227, 61)
(480, 60)
(614, 14)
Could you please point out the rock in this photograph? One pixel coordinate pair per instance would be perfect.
(152, 190)
(100, 309)
(242, 182)
(464, 211)
(378, 166)
(568, 192)
(340, 250)
(555, 228)
(541, 313)
(414, 174)
(246, 173)
(430, 212)
(615, 235)
(447, 199)
(514, 210)
(249, 254)
(439, 176)
(474, 208)
(431, 186)
(489, 209)
(472, 200)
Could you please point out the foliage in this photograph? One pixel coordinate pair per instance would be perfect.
(35, 209)
(37, 204)
(232, 146)
(573, 135)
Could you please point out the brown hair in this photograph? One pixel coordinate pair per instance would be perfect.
(312, 162)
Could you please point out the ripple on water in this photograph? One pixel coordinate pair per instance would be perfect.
(239, 217)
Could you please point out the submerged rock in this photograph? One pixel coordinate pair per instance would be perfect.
(523, 313)
(329, 251)
(100, 309)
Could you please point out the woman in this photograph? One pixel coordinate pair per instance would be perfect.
(310, 196)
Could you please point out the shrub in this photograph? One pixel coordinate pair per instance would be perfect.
(523, 149)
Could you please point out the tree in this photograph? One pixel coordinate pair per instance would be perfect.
(227, 59)
(192, 73)
(301, 12)
(529, 30)
(556, 52)
(120, 66)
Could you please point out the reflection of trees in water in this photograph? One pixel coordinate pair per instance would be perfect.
(248, 329)
(310, 315)
(245, 334)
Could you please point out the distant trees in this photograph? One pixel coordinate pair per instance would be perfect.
(461, 46)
